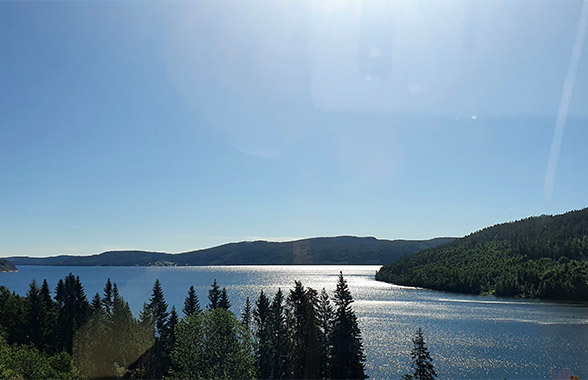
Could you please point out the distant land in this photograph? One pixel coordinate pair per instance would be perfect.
(538, 257)
(316, 251)
(7, 266)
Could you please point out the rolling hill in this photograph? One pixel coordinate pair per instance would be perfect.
(544, 256)
(316, 251)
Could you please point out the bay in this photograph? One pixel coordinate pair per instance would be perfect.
(468, 336)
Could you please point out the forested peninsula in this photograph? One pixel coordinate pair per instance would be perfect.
(7, 266)
(537, 257)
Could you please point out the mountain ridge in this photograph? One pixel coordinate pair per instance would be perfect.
(311, 251)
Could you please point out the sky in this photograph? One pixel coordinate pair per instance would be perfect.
(173, 126)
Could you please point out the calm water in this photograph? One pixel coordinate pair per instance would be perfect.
(468, 336)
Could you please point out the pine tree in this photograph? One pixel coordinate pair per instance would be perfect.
(50, 318)
(35, 315)
(191, 303)
(108, 298)
(96, 305)
(262, 335)
(347, 361)
(214, 296)
(73, 310)
(325, 316)
(246, 315)
(421, 361)
(279, 337)
(173, 322)
(304, 360)
(223, 301)
(158, 307)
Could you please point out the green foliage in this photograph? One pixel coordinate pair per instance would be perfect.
(246, 315)
(223, 301)
(543, 257)
(27, 362)
(325, 319)
(110, 342)
(263, 348)
(213, 345)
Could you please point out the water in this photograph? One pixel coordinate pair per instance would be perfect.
(468, 336)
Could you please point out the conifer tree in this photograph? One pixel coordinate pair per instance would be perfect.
(304, 359)
(73, 310)
(214, 296)
(173, 322)
(421, 361)
(325, 316)
(347, 361)
(50, 318)
(279, 337)
(108, 298)
(96, 305)
(246, 315)
(36, 316)
(263, 336)
(223, 301)
(191, 303)
(158, 307)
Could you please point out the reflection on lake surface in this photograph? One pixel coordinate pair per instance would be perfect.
(468, 336)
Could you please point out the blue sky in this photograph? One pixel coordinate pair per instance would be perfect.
(175, 126)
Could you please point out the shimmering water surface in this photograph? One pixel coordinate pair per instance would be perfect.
(468, 336)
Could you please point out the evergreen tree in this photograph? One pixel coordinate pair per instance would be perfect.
(173, 322)
(73, 310)
(162, 347)
(191, 303)
(223, 301)
(158, 307)
(325, 316)
(36, 316)
(96, 305)
(49, 319)
(304, 359)
(108, 298)
(214, 296)
(246, 315)
(347, 361)
(279, 337)
(421, 361)
(263, 336)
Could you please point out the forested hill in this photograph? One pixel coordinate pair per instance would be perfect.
(322, 251)
(544, 256)
(6, 266)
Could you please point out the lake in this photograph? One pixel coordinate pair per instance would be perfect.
(468, 336)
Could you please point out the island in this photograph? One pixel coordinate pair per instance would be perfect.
(7, 266)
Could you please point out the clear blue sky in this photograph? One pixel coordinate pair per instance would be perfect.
(176, 126)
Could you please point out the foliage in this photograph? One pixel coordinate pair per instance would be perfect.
(27, 362)
(191, 303)
(545, 257)
(213, 345)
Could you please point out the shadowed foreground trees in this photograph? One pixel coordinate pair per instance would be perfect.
(421, 361)
(298, 336)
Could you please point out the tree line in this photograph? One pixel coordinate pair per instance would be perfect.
(300, 334)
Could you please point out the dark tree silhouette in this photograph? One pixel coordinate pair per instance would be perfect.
(246, 315)
(191, 303)
(421, 361)
(223, 301)
(214, 296)
(347, 349)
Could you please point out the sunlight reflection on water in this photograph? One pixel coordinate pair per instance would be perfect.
(468, 336)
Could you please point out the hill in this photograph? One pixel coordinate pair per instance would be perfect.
(317, 251)
(6, 266)
(544, 256)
